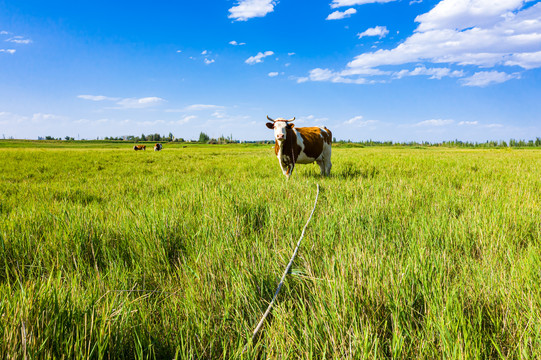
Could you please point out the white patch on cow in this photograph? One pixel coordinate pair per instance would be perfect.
(303, 158)
(280, 131)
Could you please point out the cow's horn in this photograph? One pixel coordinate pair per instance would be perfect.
(270, 119)
(291, 119)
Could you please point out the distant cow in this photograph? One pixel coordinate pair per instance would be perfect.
(302, 145)
(139, 147)
(158, 147)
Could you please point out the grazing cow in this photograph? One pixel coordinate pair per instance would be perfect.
(302, 145)
(139, 147)
(158, 147)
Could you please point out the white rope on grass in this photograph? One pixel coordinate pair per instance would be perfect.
(260, 324)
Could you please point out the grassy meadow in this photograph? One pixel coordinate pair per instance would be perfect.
(412, 253)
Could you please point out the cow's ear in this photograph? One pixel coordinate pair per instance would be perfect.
(270, 125)
(290, 126)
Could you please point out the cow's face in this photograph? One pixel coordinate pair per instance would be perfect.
(280, 129)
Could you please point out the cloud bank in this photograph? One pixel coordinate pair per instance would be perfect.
(126, 103)
(481, 33)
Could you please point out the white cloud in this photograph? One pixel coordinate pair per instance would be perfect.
(146, 102)
(126, 103)
(337, 15)
(319, 74)
(358, 121)
(353, 120)
(463, 14)
(9, 51)
(19, 40)
(380, 31)
(207, 61)
(273, 74)
(342, 3)
(485, 78)
(469, 123)
(481, 33)
(97, 97)
(150, 123)
(38, 118)
(219, 114)
(258, 58)
(92, 122)
(247, 9)
(468, 36)
(433, 73)
(186, 119)
(492, 126)
(434, 122)
(234, 43)
(526, 60)
(198, 107)
(7, 118)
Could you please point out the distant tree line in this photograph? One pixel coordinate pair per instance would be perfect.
(143, 137)
(206, 139)
(452, 143)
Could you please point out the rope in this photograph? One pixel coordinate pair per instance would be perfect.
(260, 324)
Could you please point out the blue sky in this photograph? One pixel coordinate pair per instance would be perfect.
(396, 70)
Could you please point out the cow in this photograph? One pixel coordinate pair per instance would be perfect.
(139, 147)
(158, 147)
(302, 145)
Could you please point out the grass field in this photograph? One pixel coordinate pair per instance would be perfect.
(412, 253)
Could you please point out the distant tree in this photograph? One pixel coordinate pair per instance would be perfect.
(203, 138)
(143, 137)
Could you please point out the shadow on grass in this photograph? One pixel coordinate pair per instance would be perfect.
(350, 171)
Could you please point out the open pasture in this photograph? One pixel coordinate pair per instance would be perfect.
(412, 253)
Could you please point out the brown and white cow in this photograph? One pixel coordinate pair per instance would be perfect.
(158, 147)
(139, 147)
(302, 145)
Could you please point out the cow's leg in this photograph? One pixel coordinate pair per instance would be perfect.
(285, 169)
(289, 171)
(327, 159)
(328, 166)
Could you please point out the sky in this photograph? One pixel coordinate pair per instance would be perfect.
(385, 70)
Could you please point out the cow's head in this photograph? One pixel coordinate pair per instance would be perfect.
(280, 127)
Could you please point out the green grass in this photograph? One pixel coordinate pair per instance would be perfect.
(412, 253)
